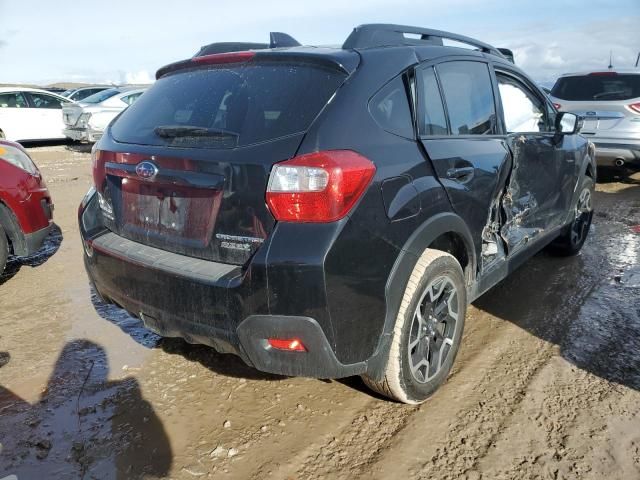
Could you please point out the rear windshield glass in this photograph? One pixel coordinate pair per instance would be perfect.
(227, 107)
(101, 96)
(597, 87)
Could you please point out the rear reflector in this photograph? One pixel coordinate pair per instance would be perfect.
(635, 107)
(228, 57)
(318, 187)
(289, 344)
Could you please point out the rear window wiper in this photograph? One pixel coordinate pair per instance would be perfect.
(617, 93)
(172, 131)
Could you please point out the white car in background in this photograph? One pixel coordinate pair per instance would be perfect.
(85, 121)
(31, 114)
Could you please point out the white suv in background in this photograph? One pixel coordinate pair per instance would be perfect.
(609, 102)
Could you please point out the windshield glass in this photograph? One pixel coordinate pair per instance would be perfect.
(605, 86)
(101, 96)
(226, 107)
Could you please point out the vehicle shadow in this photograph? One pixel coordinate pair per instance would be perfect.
(49, 248)
(79, 147)
(582, 304)
(219, 363)
(83, 425)
(622, 175)
(46, 143)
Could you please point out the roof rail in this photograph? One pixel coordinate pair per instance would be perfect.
(384, 35)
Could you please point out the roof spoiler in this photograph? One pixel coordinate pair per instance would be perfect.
(276, 40)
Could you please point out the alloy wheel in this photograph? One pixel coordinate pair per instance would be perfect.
(433, 329)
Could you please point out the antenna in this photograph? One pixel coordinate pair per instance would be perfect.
(610, 59)
(638, 59)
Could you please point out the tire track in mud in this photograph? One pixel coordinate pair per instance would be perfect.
(346, 453)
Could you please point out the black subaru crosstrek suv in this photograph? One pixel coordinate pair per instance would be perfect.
(330, 212)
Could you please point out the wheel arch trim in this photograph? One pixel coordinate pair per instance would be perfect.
(418, 242)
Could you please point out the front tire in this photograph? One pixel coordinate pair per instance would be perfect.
(570, 242)
(427, 332)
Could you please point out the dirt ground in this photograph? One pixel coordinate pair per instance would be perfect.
(546, 386)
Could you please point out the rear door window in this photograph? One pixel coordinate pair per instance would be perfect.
(468, 96)
(597, 87)
(40, 100)
(226, 107)
(433, 120)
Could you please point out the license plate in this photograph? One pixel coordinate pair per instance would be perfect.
(170, 211)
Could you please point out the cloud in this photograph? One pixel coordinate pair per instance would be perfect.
(566, 36)
(545, 53)
(137, 78)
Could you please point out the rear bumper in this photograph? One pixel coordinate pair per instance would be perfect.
(83, 134)
(617, 154)
(219, 305)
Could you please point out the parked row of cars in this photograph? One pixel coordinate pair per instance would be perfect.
(28, 114)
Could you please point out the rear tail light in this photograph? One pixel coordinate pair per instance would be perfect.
(288, 344)
(635, 107)
(318, 187)
(557, 105)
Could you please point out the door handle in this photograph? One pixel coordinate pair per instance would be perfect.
(463, 173)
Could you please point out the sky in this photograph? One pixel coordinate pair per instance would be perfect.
(44, 41)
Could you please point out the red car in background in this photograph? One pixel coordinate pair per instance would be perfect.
(25, 204)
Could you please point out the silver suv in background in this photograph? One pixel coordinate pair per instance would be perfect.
(609, 102)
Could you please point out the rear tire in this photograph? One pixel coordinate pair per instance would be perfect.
(427, 332)
(2, 136)
(4, 249)
(570, 242)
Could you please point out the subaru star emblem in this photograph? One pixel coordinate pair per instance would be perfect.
(146, 170)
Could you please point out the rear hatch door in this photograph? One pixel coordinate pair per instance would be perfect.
(185, 168)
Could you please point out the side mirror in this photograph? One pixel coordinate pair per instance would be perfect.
(568, 123)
